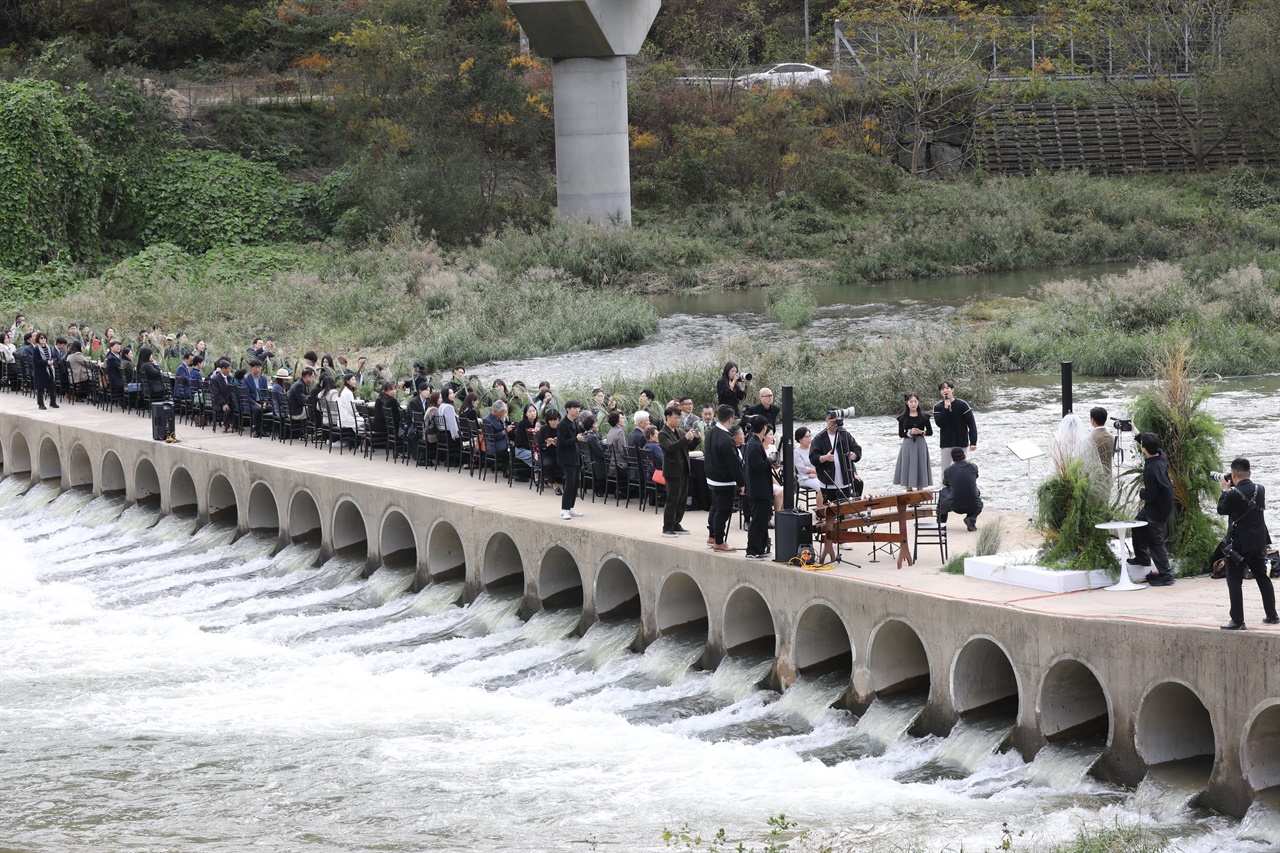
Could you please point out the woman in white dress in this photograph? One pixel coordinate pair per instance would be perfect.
(806, 474)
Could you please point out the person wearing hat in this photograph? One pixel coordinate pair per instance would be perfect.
(279, 397)
(171, 347)
(960, 491)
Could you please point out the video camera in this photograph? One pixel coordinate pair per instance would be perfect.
(1122, 424)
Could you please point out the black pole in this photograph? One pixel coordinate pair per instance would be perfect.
(1066, 388)
(788, 462)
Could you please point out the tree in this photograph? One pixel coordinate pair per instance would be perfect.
(923, 57)
(1249, 87)
(1175, 47)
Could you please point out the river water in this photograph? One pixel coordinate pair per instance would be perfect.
(165, 688)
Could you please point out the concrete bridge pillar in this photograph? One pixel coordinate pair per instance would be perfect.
(588, 41)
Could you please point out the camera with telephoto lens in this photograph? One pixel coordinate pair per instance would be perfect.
(1221, 477)
(746, 377)
(1122, 424)
(1230, 554)
(838, 415)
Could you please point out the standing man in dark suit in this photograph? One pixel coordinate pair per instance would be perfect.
(42, 375)
(569, 437)
(956, 424)
(676, 441)
(759, 488)
(960, 491)
(1243, 501)
(724, 477)
(220, 387)
(1157, 506)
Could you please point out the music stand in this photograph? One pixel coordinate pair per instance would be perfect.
(1025, 450)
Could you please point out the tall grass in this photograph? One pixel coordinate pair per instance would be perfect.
(792, 305)
(403, 301)
(1118, 325)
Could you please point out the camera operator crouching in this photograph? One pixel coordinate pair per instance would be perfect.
(1245, 545)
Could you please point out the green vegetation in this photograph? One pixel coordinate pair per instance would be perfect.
(1069, 505)
(785, 834)
(792, 305)
(989, 537)
(399, 300)
(1192, 442)
(955, 566)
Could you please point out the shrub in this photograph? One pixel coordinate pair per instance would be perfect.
(202, 199)
(52, 185)
(792, 305)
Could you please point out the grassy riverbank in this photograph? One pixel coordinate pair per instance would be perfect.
(564, 288)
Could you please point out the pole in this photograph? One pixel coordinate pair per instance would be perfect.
(806, 30)
(1066, 388)
(788, 460)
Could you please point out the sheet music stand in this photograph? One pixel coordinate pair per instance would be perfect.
(1025, 450)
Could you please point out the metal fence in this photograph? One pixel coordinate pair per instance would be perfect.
(1014, 46)
(197, 98)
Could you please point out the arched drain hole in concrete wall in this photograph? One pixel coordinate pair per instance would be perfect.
(1262, 750)
(445, 557)
(617, 593)
(822, 643)
(502, 565)
(182, 492)
(19, 461)
(1174, 726)
(748, 624)
(896, 660)
(397, 543)
(559, 580)
(146, 483)
(79, 468)
(264, 512)
(222, 500)
(50, 463)
(304, 519)
(681, 606)
(982, 679)
(350, 535)
(113, 481)
(1073, 703)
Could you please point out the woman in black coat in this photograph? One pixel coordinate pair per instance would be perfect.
(149, 374)
(731, 390)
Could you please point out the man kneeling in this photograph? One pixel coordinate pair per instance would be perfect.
(960, 490)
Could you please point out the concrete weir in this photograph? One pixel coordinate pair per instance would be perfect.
(1158, 690)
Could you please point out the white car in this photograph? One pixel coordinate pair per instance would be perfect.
(787, 74)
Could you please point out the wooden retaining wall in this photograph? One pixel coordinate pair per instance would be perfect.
(1103, 138)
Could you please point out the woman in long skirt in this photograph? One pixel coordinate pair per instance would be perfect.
(913, 471)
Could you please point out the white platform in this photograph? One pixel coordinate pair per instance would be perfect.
(1017, 568)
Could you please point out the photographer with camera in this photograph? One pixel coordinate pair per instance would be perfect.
(731, 388)
(1245, 545)
(1157, 505)
(833, 453)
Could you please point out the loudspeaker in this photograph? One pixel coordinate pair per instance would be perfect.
(791, 529)
(162, 425)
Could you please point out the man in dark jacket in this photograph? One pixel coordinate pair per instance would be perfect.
(759, 489)
(1243, 501)
(297, 398)
(724, 477)
(220, 389)
(568, 438)
(1157, 506)
(956, 424)
(676, 441)
(833, 453)
(960, 491)
(766, 409)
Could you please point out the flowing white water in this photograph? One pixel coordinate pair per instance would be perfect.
(972, 741)
(1064, 765)
(161, 690)
(1168, 789)
(1262, 822)
(888, 719)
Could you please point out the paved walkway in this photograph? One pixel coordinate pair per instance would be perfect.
(1194, 601)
